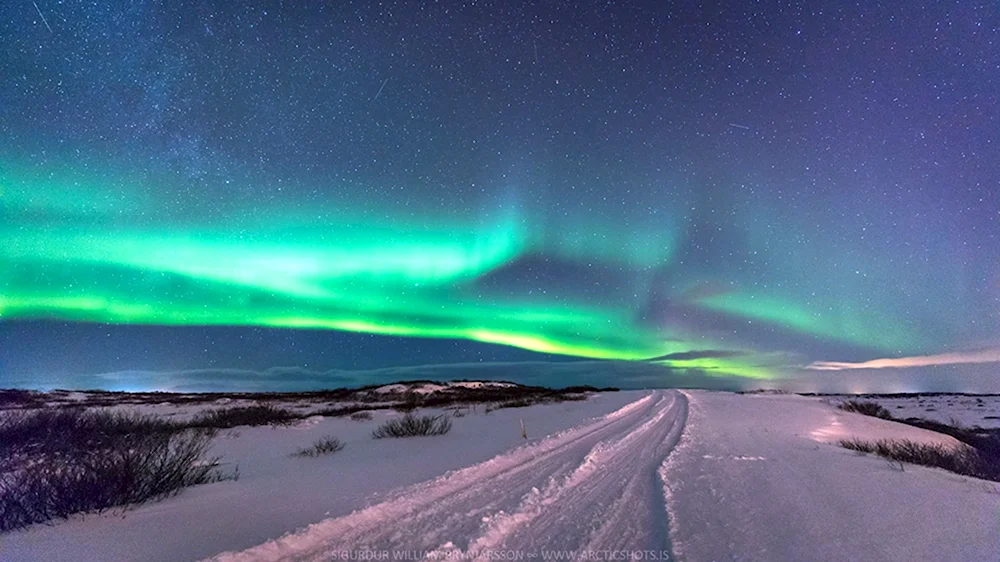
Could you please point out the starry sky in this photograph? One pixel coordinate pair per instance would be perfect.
(750, 193)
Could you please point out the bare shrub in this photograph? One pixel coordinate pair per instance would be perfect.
(53, 431)
(413, 426)
(324, 446)
(867, 408)
(964, 460)
(80, 461)
(258, 414)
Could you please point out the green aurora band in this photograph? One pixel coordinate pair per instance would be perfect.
(77, 251)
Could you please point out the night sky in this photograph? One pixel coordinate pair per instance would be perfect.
(749, 193)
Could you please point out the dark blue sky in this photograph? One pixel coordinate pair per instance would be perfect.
(755, 191)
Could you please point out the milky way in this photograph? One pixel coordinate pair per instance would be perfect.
(735, 192)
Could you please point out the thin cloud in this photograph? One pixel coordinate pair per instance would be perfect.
(699, 354)
(956, 358)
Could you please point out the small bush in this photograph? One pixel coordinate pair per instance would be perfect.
(361, 416)
(263, 414)
(325, 446)
(965, 460)
(341, 411)
(516, 403)
(413, 426)
(582, 389)
(873, 409)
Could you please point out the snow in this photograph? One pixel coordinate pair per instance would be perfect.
(481, 384)
(690, 475)
(804, 498)
(393, 389)
(277, 493)
(599, 476)
(430, 388)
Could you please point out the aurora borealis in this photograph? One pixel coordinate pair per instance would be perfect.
(741, 192)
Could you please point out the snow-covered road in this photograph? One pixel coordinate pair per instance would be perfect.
(596, 487)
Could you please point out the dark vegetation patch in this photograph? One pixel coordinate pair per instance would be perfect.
(413, 426)
(235, 416)
(987, 441)
(17, 398)
(966, 461)
(54, 463)
(349, 410)
(411, 401)
(51, 431)
(867, 408)
(515, 403)
(324, 446)
(979, 458)
(532, 400)
(361, 416)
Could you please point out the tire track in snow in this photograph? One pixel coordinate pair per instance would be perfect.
(537, 502)
(613, 498)
(595, 486)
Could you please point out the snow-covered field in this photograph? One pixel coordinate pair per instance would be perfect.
(690, 475)
(964, 409)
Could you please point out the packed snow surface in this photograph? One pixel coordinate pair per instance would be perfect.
(692, 475)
